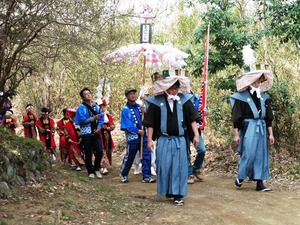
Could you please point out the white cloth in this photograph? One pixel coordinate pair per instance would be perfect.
(257, 90)
(171, 104)
(106, 117)
(171, 99)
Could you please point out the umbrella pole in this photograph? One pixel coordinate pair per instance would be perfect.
(103, 88)
(143, 103)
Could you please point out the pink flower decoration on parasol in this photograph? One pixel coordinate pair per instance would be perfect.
(156, 55)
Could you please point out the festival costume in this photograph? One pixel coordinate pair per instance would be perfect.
(30, 131)
(252, 118)
(253, 147)
(172, 131)
(72, 143)
(107, 141)
(91, 142)
(62, 140)
(131, 123)
(10, 123)
(47, 138)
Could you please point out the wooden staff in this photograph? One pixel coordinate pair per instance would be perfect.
(103, 88)
(143, 102)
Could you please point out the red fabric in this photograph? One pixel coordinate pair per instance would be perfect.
(27, 128)
(60, 129)
(72, 143)
(9, 124)
(109, 124)
(51, 127)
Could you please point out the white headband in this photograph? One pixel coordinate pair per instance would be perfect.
(29, 107)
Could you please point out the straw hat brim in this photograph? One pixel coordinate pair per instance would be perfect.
(243, 82)
(160, 86)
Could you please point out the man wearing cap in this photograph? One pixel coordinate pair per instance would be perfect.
(131, 124)
(46, 128)
(10, 122)
(252, 120)
(29, 122)
(90, 119)
(171, 119)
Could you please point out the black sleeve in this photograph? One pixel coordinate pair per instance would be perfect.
(269, 114)
(190, 115)
(237, 114)
(192, 112)
(152, 119)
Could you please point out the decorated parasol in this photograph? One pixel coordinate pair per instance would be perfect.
(154, 55)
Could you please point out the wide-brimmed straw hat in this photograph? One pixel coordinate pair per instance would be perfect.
(243, 82)
(163, 83)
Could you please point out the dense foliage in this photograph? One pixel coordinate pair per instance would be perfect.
(282, 20)
(228, 34)
(49, 50)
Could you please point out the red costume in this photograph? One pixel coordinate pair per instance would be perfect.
(10, 123)
(46, 129)
(30, 130)
(107, 141)
(74, 149)
(62, 140)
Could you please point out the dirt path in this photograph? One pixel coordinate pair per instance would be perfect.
(69, 197)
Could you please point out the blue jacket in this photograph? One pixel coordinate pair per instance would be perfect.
(84, 118)
(131, 122)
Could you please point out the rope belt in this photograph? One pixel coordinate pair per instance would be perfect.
(260, 125)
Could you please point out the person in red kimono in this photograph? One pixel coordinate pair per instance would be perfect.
(46, 128)
(10, 122)
(73, 141)
(62, 140)
(106, 137)
(29, 122)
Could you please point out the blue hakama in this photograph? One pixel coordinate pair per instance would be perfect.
(172, 165)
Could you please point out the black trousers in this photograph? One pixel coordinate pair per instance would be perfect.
(92, 145)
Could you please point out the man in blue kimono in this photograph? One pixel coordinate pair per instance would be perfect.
(252, 118)
(171, 119)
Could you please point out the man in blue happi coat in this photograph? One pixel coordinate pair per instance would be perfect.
(131, 124)
(90, 119)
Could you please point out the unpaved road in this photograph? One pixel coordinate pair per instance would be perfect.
(75, 199)
(217, 201)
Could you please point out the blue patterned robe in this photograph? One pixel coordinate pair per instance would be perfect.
(253, 147)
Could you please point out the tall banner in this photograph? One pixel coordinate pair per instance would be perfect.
(203, 106)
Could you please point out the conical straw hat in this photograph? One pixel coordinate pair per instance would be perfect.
(160, 86)
(243, 82)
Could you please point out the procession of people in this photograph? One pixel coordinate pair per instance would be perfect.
(168, 122)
